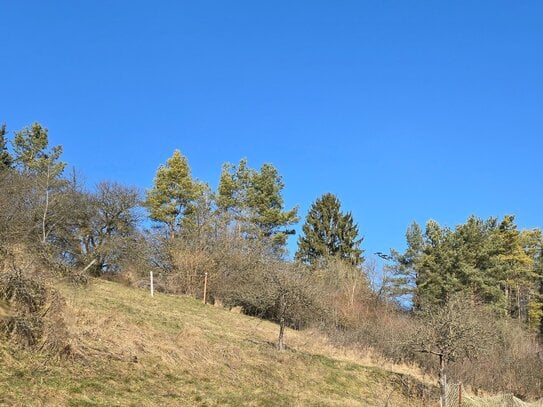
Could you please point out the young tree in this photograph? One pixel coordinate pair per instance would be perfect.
(452, 331)
(272, 288)
(328, 232)
(173, 193)
(292, 296)
(31, 153)
(34, 159)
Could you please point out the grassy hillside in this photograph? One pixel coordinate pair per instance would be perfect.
(131, 349)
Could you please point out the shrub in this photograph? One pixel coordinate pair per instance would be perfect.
(34, 311)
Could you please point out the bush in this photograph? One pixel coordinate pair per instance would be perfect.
(34, 311)
(513, 363)
(510, 360)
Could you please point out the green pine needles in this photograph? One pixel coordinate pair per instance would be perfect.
(328, 232)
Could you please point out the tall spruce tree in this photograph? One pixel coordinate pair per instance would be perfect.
(173, 193)
(328, 232)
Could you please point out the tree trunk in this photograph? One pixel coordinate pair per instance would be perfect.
(506, 292)
(281, 341)
(282, 322)
(351, 300)
(442, 381)
(45, 210)
(44, 218)
(519, 316)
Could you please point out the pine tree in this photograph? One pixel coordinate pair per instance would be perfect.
(329, 233)
(404, 278)
(33, 158)
(534, 246)
(253, 201)
(31, 154)
(197, 223)
(441, 262)
(266, 206)
(173, 193)
(492, 263)
(232, 200)
(515, 267)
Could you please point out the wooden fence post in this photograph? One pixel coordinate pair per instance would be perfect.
(205, 288)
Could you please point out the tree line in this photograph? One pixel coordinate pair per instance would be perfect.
(491, 260)
(238, 234)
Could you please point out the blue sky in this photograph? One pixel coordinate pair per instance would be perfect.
(407, 110)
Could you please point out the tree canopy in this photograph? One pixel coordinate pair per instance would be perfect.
(31, 154)
(492, 260)
(173, 193)
(253, 201)
(328, 232)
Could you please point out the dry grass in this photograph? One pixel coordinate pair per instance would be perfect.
(134, 350)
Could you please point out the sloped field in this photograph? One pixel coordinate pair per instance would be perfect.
(134, 350)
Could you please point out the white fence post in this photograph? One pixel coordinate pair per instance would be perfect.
(205, 288)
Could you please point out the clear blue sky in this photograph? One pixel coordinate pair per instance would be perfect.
(407, 110)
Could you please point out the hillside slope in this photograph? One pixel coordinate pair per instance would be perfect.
(131, 349)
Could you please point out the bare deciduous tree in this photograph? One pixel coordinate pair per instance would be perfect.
(451, 332)
(252, 277)
(291, 294)
(101, 226)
